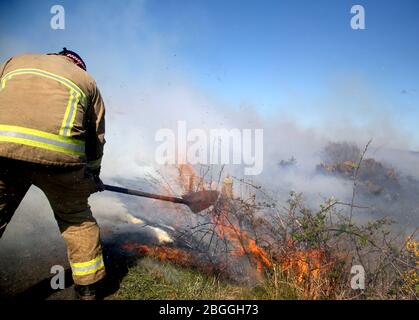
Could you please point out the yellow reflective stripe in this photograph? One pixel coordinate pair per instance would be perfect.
(40, 133)
(75, 94)
(73, 117)
(87, 263)
(88, 267)
(67, 111)
(68, 83)
(41, 145)
(70, 114)
(40, 139)
(90, 271)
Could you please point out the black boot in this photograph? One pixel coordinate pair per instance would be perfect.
(86, 292)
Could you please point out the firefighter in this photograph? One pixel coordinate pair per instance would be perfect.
(52, 127)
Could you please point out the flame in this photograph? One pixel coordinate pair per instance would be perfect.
(243, 243)
(305, 265)
(162, 253)
(259, 255)
(307, 269)
(178, 256)
(187, 177)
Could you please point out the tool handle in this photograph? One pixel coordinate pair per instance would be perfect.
(143, 194)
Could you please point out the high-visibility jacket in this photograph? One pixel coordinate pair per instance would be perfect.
(51, 112)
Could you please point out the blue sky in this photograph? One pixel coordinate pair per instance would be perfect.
(279, 56)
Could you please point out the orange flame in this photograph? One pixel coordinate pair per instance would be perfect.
(176, 255)
(163, 253)
(187, 177)
(304, 264)
(243, 244)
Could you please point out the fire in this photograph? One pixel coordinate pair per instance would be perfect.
(187, 177)
(259, 254)
(304, 264)
(177, 256)
(162, 253)
(242, 243)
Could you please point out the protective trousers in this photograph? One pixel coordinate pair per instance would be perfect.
(67, 191)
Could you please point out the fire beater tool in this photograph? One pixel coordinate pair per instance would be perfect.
(196, 201)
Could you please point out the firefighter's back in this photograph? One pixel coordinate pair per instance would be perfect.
(43, 107)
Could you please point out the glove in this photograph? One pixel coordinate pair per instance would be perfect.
(94, 174)
(99, 184)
